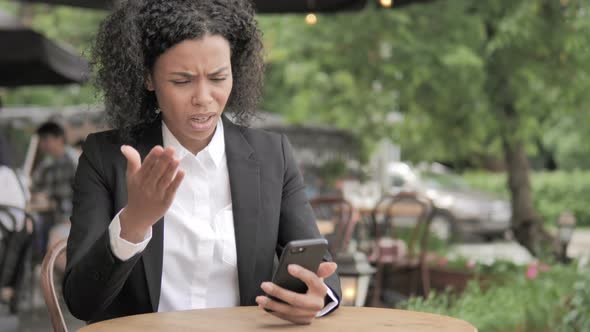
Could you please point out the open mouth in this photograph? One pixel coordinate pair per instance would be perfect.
(202, 119)
(203, 122)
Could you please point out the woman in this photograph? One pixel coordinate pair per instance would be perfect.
(179, 208)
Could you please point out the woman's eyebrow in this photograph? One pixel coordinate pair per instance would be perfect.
(183, 74)
(191, 75)
(219, 71)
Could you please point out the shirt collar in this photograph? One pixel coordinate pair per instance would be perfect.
(215, 149)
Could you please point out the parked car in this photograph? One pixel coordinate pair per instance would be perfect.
(460, 210)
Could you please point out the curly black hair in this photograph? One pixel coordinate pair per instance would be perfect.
(136, 33)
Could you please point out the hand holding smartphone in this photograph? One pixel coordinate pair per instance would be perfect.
(305, 253)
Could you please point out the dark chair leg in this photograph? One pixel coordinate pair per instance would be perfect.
(376, 300)
(412, 282)
(425, 280)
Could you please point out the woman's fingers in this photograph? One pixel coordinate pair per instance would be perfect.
(167, 176)
(307, 300)
(286, 309)
(152, 179)
(315, 285)
(150, 161)
(151, 189)
(326, 269)
(171, 191)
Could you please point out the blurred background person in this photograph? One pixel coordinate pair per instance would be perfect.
(52, 182)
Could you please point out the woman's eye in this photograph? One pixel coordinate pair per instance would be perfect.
(180, 82)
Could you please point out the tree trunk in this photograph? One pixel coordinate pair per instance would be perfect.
(527, 225)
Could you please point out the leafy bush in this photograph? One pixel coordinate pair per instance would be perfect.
(553, 192)
(517, 303)
(578, 306)
(501, 268)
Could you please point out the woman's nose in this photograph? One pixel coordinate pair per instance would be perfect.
(202, 95)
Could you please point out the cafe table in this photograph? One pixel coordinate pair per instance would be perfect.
(255, 319)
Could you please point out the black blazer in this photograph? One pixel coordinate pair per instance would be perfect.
(269, 207)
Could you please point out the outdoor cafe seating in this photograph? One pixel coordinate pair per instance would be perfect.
(395, 232)
(398, 256)
(334, 216)
(337, 219)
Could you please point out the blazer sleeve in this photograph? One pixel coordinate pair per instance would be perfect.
(94, 276)
(297, 220)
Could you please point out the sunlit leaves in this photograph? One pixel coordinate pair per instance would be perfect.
(451, 64)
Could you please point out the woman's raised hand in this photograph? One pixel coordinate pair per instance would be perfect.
(151, 187)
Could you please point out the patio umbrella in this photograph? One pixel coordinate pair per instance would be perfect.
(262, 6)
(306, 6)
(29, 58)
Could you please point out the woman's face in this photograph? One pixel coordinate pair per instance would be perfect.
(192, 81)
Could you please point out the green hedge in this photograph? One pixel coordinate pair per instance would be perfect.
(578, 307)
(553, 192)
(549, 302)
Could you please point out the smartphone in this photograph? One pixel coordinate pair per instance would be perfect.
(305, 253)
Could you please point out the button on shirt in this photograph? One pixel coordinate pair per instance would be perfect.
(200, 261)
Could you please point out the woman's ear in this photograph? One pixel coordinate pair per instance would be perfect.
(149, 82)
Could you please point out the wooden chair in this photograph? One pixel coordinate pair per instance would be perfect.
(48, 286)
(336, 212)
(390, 251)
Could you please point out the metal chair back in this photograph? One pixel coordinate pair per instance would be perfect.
(338, 212)
(389, 249)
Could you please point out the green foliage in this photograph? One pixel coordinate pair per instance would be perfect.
(51, 96)
(68, 25)
(471, 78)
(553, 192)
(566, 137)
(515, 304)
(578, 306)
(448, 67)
(332, 170)
(9, 7)
(436, 64)
(336, 72)
(499, 269)
(490, 182)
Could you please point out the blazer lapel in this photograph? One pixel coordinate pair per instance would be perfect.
(244, 179)
(154, 252)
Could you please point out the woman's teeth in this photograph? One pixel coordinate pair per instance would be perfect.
(201, 119)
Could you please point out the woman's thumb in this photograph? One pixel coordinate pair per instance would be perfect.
(133, 159)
